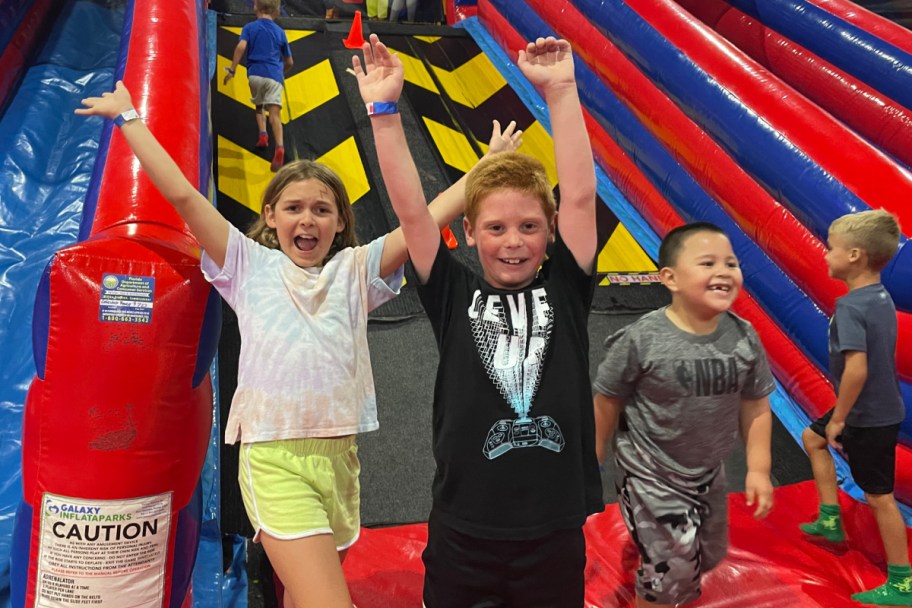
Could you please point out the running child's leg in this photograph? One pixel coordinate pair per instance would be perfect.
(713, 530)
(872, 458)
(828, 523)
(897, 591)
(310, 571)
(664, 522)
(262, 137)
(287, 600)
(275, 121)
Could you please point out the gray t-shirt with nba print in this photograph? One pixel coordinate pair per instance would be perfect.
(682, 391)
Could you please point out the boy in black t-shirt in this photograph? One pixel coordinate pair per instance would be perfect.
(864, 422)
(513, 425)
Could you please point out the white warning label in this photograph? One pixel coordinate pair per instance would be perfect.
(103, 553)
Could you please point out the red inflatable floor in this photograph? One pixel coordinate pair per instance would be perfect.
(770, 564)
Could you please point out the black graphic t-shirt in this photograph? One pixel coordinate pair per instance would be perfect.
(513, 425)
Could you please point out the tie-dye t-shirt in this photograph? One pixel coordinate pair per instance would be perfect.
(304, 368)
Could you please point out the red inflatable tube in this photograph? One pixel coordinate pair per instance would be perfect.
(869, 112)
(773, 240)
(873, 23)
(798, 252)
(862, 168)
(117, 422)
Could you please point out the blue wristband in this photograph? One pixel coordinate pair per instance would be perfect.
(377, 108)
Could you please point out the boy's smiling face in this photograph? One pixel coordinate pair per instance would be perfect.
(510, 233)
(705, 278)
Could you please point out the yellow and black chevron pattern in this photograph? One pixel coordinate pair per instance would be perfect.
(452, 86)
(317, 125)
(458, 92)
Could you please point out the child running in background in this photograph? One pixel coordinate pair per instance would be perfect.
(302, 290)
(268, 58)
(674, 390)
(513, 427)
(864, 423)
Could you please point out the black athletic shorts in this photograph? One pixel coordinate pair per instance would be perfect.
(870, 451)
(466, 572)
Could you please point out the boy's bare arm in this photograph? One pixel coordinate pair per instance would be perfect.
(850, 384)
(607, 415)
(548, 64)
(380, 81)
(288, 62)
(756, 428)
(239, 51)
(204, 221)
(450, 203)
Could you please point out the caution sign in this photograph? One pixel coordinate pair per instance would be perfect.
(102, 553)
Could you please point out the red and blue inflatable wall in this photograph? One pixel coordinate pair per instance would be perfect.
(691, 128)
(118, 417)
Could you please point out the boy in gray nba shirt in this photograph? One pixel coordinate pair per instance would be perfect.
(675, 388)
(864, 422)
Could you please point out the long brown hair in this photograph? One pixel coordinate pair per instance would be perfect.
(299, 171)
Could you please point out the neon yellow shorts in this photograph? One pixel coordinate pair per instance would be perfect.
(303, 487)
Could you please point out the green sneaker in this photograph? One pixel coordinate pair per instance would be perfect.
(827, 526)
(888, 594)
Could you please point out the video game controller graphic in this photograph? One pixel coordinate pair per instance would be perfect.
(523, 433)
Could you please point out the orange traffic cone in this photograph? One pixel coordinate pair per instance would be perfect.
(355, 38)
(449, 238)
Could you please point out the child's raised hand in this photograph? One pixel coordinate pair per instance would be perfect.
(759, 490)
(108, 105)
(382, 76)
(507, 140)
(547, 62)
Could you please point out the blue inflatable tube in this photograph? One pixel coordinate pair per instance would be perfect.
(809, 192)
(792, 309)
(870, 59)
